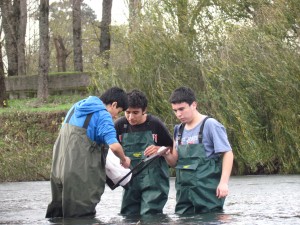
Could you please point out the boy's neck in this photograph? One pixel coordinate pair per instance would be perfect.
(198, 117)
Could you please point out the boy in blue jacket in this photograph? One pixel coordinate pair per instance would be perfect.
(78, 167)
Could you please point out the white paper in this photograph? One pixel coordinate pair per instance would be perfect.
(114, 170)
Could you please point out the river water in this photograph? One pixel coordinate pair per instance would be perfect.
(261, 200)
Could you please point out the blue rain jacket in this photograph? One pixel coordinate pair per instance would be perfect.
(101, 127)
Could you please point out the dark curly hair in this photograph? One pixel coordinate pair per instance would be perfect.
(137, 99)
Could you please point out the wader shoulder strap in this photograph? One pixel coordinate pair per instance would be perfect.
(103, 147)
(200, 135)
(180, 131)
(70, 115)
(87, 120)
(126, 125)
(148, 120)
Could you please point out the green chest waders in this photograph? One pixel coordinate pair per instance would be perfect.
(197, 178)
(77, 174)
(148, 191)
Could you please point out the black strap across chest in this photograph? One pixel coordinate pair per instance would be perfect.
(200, 135)
(127, 127)
(87, 119)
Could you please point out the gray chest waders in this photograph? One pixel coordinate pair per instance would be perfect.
(77, 174)
(148, 191)
(197, 178)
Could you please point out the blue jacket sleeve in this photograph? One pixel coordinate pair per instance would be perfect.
(105, 130)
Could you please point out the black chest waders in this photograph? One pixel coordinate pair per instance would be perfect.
(197, 178)
(148, 191)
(77, 174)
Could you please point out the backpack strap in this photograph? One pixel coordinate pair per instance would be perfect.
(200, 135)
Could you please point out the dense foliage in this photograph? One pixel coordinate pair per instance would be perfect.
(28, 131)
(254, 82)
(241, 59)
(26, 144)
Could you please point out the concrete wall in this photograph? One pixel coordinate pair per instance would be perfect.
(26, 86)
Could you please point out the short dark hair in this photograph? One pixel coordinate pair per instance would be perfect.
(115, 94)
(182, 94)
(137, 99)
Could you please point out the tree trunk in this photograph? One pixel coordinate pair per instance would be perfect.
(9, 21)
(105, 31)
(61, 54)
(22, 23)
(44, 51)
(77, 39)
(3, 99)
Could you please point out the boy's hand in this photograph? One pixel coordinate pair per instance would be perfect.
(126, 162)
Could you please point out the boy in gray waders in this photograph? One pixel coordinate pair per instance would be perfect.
(203, 157)
(78, 165)
(141, 135)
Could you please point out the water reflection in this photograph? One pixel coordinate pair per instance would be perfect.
(77, 221)
(148, 219)
(162, 219)
(258, 200)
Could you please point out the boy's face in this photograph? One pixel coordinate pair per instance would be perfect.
(135, 116)
(183, 111)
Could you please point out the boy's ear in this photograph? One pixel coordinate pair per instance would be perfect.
(114, 104)
(194, 104)
(144, 112)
